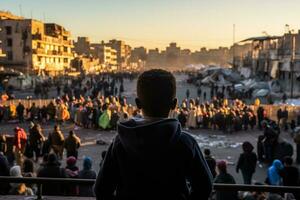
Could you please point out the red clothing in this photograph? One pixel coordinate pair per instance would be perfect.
(20, 139)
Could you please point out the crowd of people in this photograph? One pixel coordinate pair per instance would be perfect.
(35, 155)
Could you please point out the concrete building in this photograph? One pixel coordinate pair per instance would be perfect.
(276, 58)
(82, 46)
(31, 45)
(153, 58)
(172, 55)
(185, 57)
(106, 54)
(123, 52)
(138, 54)
(86, 64)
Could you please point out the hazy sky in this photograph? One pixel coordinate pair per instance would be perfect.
(154, 23)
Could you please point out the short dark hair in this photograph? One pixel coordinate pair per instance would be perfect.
(206, 152)
(28, 166)
(156, 90)
(288, 160)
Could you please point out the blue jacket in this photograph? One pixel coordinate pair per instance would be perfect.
(273, 173)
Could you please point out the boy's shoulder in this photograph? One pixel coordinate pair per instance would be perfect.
(187, 139)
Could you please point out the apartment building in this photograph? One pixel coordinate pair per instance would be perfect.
(106, 54)
(123, 52)
(33, 46)
(82, 46)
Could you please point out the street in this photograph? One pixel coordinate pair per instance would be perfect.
(222, 146)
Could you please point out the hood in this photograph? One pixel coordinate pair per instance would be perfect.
(277, 164)
(15, 171)
(140, 139)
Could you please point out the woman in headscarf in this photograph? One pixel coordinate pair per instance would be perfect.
(273, 173)
(18, 188)
(86, 173)
(72, 172)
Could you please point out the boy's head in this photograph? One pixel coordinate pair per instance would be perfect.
(156, 91)
(207, 152)
(288, 161)
(222, 166)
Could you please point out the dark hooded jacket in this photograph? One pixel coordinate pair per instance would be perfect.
(153, 161)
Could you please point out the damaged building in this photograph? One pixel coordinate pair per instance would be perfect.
(275, 58)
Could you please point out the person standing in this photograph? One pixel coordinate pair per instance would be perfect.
(273, 173)
(86, 173)
(260, 116)
(33, 111)
(20, 112)
(56, 141)
(72, 172)
(211, 162)
(20, 141)
(289, 173)
(199, 91)
(247, 162)
(285, 116)
(279, 116)
(36, 140)
(52, 169)
(225, 178)
(72, 144)
(187, 93)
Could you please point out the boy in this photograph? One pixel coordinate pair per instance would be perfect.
(151, 158)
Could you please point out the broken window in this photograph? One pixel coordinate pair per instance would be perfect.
(9, 42)
(8, 30)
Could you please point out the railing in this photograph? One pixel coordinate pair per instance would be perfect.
(217, 187)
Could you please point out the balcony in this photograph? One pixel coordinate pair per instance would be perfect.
(38, 51)
(37, 36)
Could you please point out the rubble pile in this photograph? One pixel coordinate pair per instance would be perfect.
(241, 82)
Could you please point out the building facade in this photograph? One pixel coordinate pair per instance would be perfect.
(123, 52)
(107, 56)
(33, 46)
(82, 46)
(276, 58)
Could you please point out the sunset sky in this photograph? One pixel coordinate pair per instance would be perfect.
(155, 23)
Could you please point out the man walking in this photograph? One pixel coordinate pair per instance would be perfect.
(72, 144)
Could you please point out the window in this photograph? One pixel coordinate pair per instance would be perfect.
(65, 60)
(8, 30)
(39, 59)
(9, 55)
(65, 38)
(9, 42)
(290, 75)
(65, 49)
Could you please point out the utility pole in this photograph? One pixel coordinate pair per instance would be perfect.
(293, 63)
(233, 47)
